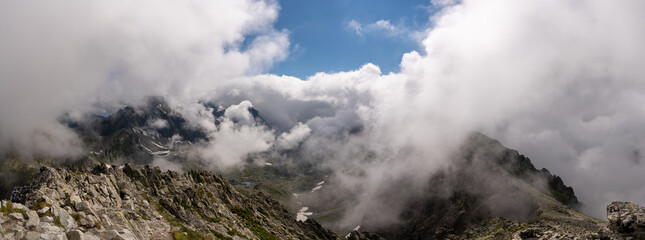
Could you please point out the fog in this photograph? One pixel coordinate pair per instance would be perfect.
(558, 80)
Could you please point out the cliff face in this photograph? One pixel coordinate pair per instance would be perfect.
(130, 202)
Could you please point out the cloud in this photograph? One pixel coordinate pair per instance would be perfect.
(355, 26)
(557, 80)
(57, 59)
(231, 141)
(379, 27)
(384, 25)
(291, 139)
(158, 123)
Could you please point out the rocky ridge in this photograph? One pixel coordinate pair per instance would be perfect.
(131, 202)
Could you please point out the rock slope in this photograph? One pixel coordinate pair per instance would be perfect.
(131, 202)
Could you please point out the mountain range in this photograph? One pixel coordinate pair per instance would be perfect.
(118, 191)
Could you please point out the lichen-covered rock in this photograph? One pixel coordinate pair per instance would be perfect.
(627, 218)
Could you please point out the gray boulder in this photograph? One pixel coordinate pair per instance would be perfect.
(31, 236)
(17, 216)
(75, 235)
(32, 220)
(627, 219)
(65, 219)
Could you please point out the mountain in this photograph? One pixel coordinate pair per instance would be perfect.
(488, 191)
(491, 191)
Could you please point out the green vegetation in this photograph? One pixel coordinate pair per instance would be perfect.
(57, 222)
(9, 209)
(40, 204)
(254, 225)
(179, 235)
(76, 216)
(233, 232)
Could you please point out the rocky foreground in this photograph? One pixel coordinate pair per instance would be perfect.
(145, 203)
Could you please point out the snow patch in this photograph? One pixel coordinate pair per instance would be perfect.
(158, 145)
(355, 229)
(319, 185)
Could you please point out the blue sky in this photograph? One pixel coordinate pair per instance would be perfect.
(323, 41)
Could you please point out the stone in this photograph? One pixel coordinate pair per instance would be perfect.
(43, 210)
(31, 235)
(4, 219)
(82, 206)
(19, 235)
(73, 200)
(47, 219)
(65, 219)
(106, 220)
(9, 236)
(17, 216)
(75, 235)
(85, 221)
(19, 206)
(32, 220)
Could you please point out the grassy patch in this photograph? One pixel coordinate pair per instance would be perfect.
(9, 209)
(76, 217)
(40, 204)
(255, 227)
(179, 235)
(57, 222)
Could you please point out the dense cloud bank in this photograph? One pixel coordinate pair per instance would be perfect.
(559, 80)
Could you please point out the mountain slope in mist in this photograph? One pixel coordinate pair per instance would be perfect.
(488, 190)
(485, 183)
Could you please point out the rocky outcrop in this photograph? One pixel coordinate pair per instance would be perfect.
(626, 218)
(131, 202)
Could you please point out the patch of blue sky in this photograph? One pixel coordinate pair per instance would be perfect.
(342, 35)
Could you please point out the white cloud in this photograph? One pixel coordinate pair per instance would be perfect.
(355, 26)
(236, 137)
(291, 139)
(158, 123)
(58, 59)
(384, 25)
(381, 26)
